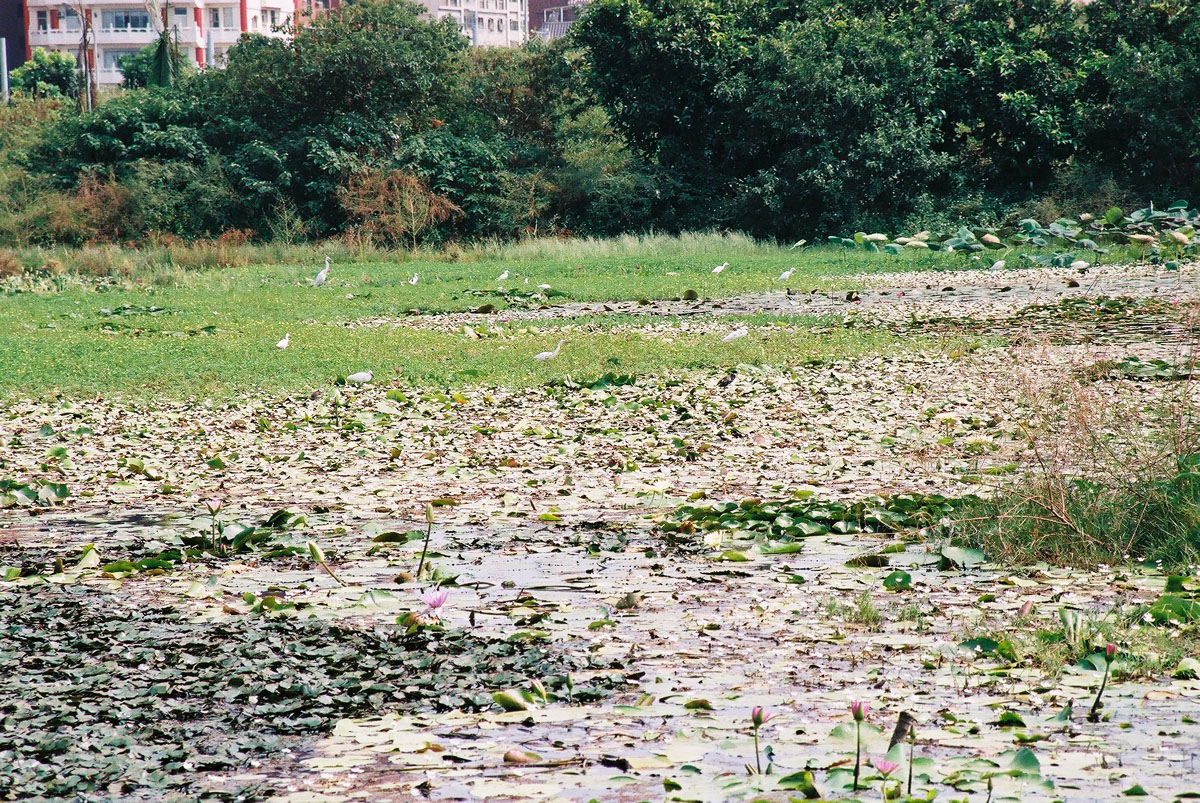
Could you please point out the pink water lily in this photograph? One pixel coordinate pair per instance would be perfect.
(858, 710)
(760, 716)
(1109, 651)
(214, 506)
(434, 600)
(886, 767)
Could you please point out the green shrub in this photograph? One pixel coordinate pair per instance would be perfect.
(47, 74)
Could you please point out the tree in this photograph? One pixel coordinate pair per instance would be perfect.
(772, 117)
(47, 74)
(159, 64)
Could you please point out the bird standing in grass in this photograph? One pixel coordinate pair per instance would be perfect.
(360, 378)
(741, 331)
(323, 276)
(282, 344)
(415, 278)
(787, 274)
(549, 355)
(721, 267)
(503, 277)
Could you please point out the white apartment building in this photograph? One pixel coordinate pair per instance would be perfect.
(486, 23)
(204, 28)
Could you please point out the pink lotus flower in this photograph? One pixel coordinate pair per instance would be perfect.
(859, 710)
(1109, 651)
(214, 506)
(760, 716)
(434, 600)
(884, 766)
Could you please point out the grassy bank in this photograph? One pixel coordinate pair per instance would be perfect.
(239, 355)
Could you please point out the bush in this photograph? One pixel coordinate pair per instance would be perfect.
(47, 74)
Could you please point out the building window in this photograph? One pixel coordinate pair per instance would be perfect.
(43, 20)
(221, 18)
(122, 20)
(112, 58)
(513, 25)
(69, 20)
(179, 17)
(272, 17)
(491, 24)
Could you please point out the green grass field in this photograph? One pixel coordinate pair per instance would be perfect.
(163, 330)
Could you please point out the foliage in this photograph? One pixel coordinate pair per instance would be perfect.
(118, 709)
(392, 208)
(159, 64)
(781, 117)
(1150, 518)
(285, 122)
(784, 120)
(47, 74)
(805, 515)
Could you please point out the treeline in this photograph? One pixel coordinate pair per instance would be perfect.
(775, 117)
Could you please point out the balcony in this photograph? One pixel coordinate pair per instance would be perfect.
(222, 36)
(54, 40)
(123, 36)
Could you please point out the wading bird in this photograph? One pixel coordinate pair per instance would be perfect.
(998, 264)
(503, 277)
(416, 278)
(787, 274)
(323, 275)
(282, 344)
(361, 378)
(721, 267)
(741, 331)
(549, 355)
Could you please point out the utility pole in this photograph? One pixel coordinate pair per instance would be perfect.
(3, 70)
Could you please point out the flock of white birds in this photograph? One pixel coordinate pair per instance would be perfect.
(364, 377)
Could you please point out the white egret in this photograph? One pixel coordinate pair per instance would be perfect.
(1080, 264)
(787, 274)
(416, 278)
(741, 331)
(323, 275)
(721, 267)
(543, 287)
(797, 244)
(998, 264)
(361, 378)
(549, 355)
(282, 344)
(503, 277)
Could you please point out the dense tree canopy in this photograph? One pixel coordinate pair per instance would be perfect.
(849, 113)
(778, 118)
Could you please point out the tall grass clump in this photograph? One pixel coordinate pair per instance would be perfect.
(1112, 476)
